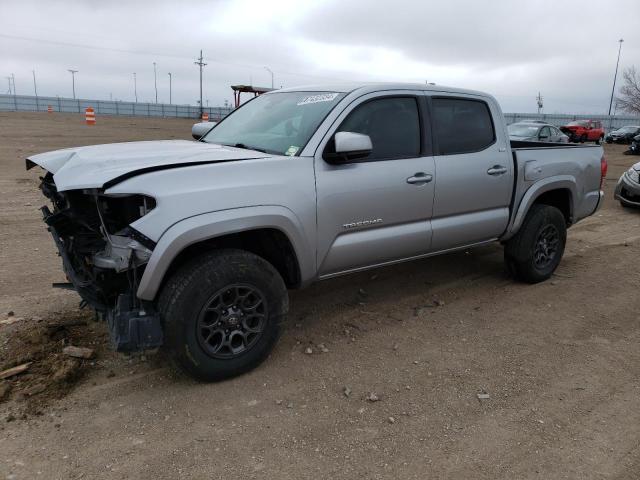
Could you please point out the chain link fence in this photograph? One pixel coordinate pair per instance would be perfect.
(28, 103)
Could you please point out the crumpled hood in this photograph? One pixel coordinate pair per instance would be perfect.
(96, 165)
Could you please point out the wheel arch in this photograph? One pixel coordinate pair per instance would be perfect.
(273, 233)
(559, 192)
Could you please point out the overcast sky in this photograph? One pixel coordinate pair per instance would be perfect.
(564, 49)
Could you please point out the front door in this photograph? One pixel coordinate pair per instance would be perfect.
(377, 209)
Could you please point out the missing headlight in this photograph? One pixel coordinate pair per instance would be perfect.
(119, 211)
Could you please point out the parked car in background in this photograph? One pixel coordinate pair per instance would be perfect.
(584, 131)
(623, 135)
(536, 132)
(628, 188)
(634, 148)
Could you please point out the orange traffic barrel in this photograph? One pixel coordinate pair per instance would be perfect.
(90, 116)
(49, 109)
(205, 117)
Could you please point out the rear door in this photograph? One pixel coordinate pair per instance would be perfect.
(377, 209)
(556, 135)
(474, 172)
(545, 135)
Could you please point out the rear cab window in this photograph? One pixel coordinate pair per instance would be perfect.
(461, 125)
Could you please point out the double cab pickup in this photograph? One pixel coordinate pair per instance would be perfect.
(194, 244)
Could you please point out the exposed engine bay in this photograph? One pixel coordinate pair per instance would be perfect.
(104, 258)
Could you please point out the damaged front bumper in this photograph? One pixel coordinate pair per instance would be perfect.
(103, 267)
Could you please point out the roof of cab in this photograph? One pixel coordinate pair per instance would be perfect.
(366, 87)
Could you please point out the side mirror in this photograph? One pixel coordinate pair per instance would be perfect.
(199, 130)
(349, 146)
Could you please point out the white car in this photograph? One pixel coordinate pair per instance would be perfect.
(536, 132)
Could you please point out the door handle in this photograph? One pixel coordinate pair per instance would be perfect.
(420, 178)
(497, 170)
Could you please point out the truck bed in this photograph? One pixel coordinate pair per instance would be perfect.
(573, 168)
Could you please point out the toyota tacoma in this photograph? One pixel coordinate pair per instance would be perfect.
(192, 245)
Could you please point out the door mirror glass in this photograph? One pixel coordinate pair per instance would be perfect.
(349, 146)
(199, 130)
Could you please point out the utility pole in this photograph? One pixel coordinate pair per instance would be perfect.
(271, 72)
(201, 64)
(13, 77)
(540, 104)
(135, 86)
(155, 80)
(614, 77)
(9, 79)
(169, 88)
(73, 81)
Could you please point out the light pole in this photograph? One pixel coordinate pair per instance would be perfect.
(9, 80)
(73, 81)
(271, 72)
(135, 87)
(155, 80)
(13, 77)
(169, 88)
(616, 75)
(35, 87)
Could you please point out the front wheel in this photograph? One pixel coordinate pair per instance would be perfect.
(534, 253)
(222, 313)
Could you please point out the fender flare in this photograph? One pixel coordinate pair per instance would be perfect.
(216, 224)
(559, 182)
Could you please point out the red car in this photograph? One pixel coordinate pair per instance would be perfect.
(584, 131)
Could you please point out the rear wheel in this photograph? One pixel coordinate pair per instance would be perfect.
(534, 253)
(583, 138)
(598, 140)
(223, 313)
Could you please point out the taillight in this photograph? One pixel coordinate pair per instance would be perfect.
(603, 170)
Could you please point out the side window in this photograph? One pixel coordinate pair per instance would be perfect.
(392, 123)
(544, 132)
(462, 126)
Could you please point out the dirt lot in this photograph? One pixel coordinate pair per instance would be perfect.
(559, 360)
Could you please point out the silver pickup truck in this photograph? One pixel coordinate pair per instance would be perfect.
(193, 244)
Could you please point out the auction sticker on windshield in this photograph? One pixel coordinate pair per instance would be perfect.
(324, 97)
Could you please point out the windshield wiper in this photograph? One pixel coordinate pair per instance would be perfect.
(247, 147)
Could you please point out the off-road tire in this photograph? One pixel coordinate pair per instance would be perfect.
(187, 293)
(520, 250)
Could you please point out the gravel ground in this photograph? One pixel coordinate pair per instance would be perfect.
(400, 357)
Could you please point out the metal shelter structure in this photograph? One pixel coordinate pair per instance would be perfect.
(238, 89)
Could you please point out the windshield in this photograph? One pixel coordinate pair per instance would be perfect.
(523, 130)
(578, 124)
(277, 123)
